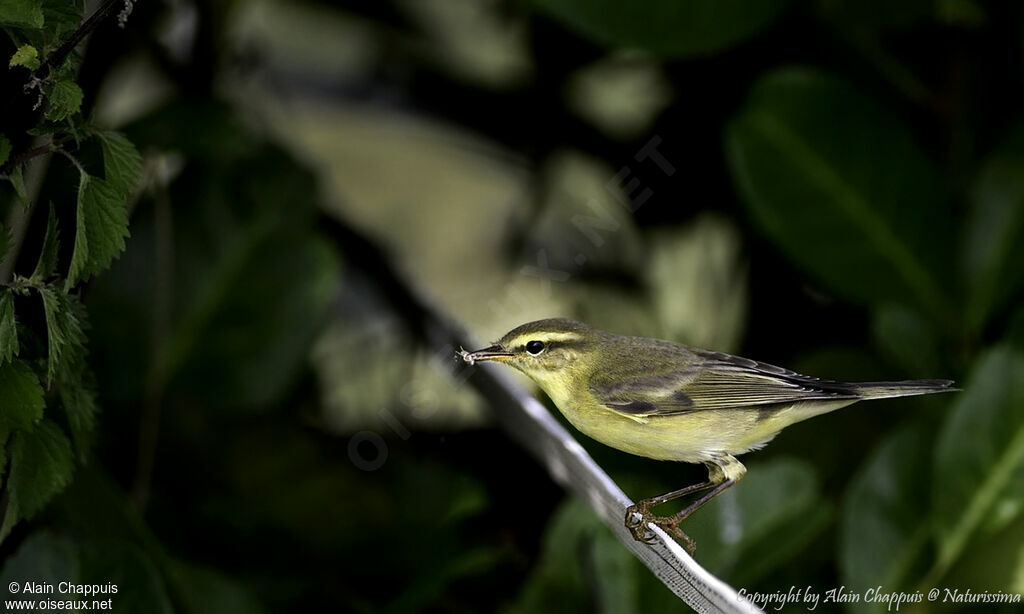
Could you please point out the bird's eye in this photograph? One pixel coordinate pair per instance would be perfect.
(535, 347)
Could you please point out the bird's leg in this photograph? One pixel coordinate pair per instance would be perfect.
(723, 472)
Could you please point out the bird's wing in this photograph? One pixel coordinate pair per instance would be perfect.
(714, 381)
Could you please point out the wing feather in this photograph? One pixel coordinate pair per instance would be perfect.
(711, 381)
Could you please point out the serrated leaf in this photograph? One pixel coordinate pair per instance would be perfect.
(76, 385)
(667, 27)
(979, 458)
(883, 540)
(47, 262)
(122, 163)
(840, 186)
(5, 240)
(18, 183)
(65, 99)
(41, 467)
(63, 329)
(102, 226)
(21, 14)
(27, 56)
(8, 326)
(21, 396)
(5, 149)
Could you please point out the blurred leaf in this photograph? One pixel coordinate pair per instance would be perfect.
(101, 229)
(582, 566)
(41, 467)
(994, 233)
(760, 523)
(42, 557)
(994, 561)
(122, 164)
(884, 539)
(840, 186)
(209, 590)
(908, 338)
(583, 223)
(21, 14)
(47, 262)
(698, 283)
(5, 152)
(877, 14)
(978, 473)
(21, 398)
(65, 99)
(622, 94)
(8, 328)
(50, 558)
(244, 339)
(27, 56)
(667, 27)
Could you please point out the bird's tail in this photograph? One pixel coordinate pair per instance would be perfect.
(907, 388)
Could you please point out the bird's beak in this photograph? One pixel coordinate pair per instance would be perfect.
(494, 352)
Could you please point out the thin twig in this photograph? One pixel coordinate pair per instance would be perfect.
(25, 156)
(58, 55)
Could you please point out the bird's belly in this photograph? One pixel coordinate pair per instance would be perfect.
(696, 436)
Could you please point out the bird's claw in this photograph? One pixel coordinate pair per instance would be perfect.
(638, 521)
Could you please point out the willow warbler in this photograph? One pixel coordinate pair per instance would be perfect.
(667, 401)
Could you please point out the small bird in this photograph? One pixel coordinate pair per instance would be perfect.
(667, 401)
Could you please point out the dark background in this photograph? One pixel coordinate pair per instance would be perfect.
(276, 433)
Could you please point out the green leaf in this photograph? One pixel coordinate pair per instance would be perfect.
(121, 162)
(21, 396)
(667, 27)
(76, 386)
(5, 149)
(62, 17)
(760, 523)
(65, 99)
(63, 328)
(21, 14)
(47, 262)
(101, 229)
(840, 186)
(5, 240)
(883, 538)
(994, 233)
(41, 467)
(978, 474)
(27, 56)
(8, 328)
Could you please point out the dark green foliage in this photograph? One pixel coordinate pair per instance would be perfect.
(38, 460)
(162, 389)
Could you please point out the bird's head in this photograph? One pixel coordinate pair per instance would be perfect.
(545, 350)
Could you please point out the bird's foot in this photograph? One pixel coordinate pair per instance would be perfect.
(638, 521)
